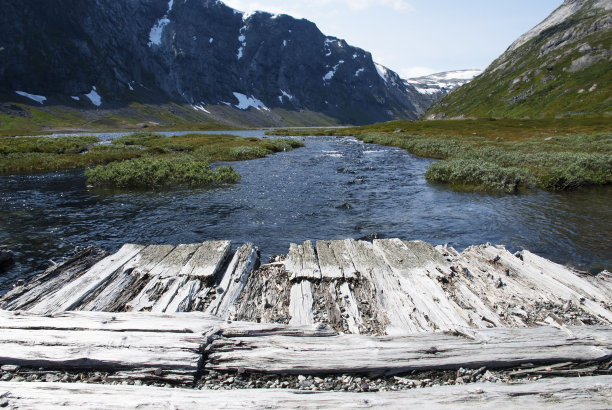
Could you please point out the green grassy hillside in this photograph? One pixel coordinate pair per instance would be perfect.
(565, 70)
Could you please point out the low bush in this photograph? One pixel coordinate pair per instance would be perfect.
(154, 173)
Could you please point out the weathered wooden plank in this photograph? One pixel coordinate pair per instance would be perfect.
(300, 307)
(192, 322)
(493, 348)
(233, 281)
(208, 260)
(567, 277)
(165, 279)
(172, 264)
(301, 262)
(344, 259)
(417, 270)
(331, 268)
(546, 283)
(403, 316)
(126, 283)
(71, 295)
(172, 288)
(560, 393)
(184, 297)
(22, 297)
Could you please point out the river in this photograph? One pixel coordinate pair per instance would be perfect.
(334, 188)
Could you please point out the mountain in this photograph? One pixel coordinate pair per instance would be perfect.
(115, 62)
(434, 86)
(561, 67)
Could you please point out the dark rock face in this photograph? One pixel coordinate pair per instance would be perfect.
(190, 51)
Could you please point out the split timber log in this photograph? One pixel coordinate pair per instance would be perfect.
(23, 297)
(560, 393)
(491, 348)
(139, 346)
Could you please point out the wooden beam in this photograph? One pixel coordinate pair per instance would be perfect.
(301, 262)
(493, 348)
(300, 307)
(560, 393)
(71, 295)
(207, 261)
(233, 281)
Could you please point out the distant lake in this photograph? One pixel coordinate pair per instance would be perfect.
(334, 188)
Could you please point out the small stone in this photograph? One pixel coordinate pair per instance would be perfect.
(6, 377)
(230, 380)
(4, 402)
(158, 372)
(10, 368)
(52, 378)
(301, 378)
(95, 378)
(137, 382)
(365, 387)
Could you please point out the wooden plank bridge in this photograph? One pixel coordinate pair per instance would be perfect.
(167, 315)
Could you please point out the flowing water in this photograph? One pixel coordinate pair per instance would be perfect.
(334, 188)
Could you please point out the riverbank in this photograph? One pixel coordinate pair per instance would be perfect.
(500, 155)
(145, 160)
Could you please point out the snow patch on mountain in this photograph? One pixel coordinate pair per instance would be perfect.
(38, 98)
(442, 82)
(382, 71)
(244, 102)
(94, 97)
(155, 36)
(242, 41)
(286, 95)
(200, 107)
(331, 74)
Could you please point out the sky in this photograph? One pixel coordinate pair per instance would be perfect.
(418, 37)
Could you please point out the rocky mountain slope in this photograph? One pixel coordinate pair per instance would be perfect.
(198, 59)
(561, 67)
(434, 86)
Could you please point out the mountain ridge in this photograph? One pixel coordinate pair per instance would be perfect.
(561, 67)
(200, 55)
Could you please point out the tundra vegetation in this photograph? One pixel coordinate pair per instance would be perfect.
(500, 155)
(142, 160)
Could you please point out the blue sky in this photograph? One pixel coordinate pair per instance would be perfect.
(417, 37)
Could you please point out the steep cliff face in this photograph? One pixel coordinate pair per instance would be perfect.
(561, 67)
(106, 54)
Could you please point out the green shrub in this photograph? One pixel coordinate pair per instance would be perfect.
(58, 145)
(150, 172)
(141, 138)
(248, 152)
(477, 174)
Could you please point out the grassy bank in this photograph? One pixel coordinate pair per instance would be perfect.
(502, 155)
(160, 172)
(138, 160)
